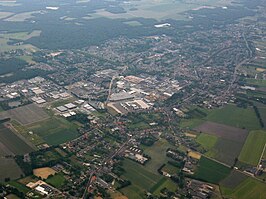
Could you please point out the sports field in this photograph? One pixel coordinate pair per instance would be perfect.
(57, 180)
(253, 148)
(211, 171)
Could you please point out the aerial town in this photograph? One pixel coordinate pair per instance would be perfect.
(153, 116)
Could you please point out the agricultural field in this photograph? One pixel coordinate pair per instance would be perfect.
(11, 144)
(55, 130)
(256, 82)
(9, 169)
(233, 180)
(207, 141)
(170, 169)
(250, 188)
(253, 148)
(157, 152)
(223, 131)
(26, 115)
(141, 178)
(234, 116)
(211, 171)
(147, 177)
(163, 183)
(221, 142)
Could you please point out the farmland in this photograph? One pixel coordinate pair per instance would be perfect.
(55, 131)
(253, 148)
(26, 115)
(9, 169)
(211, 171)
(222, 142)
(207, 141)
(147, 177)
(234, 116)
(248, 189)
(11, 144)
(141, 178)
(233, 180)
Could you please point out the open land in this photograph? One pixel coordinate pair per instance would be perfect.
(253, 148)
(9, 169)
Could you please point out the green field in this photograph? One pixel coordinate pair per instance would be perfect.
(253, 147)
(147, 178)
(55, 131)
(211, 171)
(248, 189)
(57, 180)
(163, 183)
(141, 178)
(11, 143)
(234, 116)
(207, 141)
(256, 82)
(233, 180)
(157, 152)
(9, 169)
(170, 169)
(229, 115)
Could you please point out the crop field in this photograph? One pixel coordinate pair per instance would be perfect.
(233, 180)
(9, 169)
(253, 148)
(248, 189)
(158, 9)
(211, 171)
(146, 177)
(163, 183)
(26, 115)
(55, 131)
(226, 151)
(223, 131)
(207, 141)
(141, 178)
(234, 116)
(11, 144)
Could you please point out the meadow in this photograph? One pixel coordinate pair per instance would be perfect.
(253, 148)
(57, 180)
(9, 169)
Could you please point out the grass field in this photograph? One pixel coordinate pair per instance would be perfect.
(207, 141)
(253, 147)
(170, 169)
(57, 180)
(9, 169)
(256, 82)
(211, 171)
(163, 183)
(10, 143)
(234, 116)
(19, 186)
(55, 131)
(233, 180)
(248, 189)
(144, 178)
(157, 152)
(141, 178)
